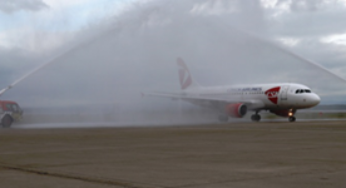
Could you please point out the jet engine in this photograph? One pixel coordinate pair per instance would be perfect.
(237, 110)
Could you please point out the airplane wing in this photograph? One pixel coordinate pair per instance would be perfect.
(198, 99)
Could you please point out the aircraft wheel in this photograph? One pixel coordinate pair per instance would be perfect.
(223, 118)
(256, 117)
(6, 122)
(292, 119)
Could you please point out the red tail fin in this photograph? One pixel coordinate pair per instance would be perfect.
(185, 77)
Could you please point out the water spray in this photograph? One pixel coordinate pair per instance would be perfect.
(299, 57)
(23, 77)
(294, 55)
(52, 60)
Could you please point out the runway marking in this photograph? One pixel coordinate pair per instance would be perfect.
(122, 183)
(211, 183)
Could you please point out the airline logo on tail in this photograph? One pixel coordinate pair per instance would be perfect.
(184, 74)
(273, 94)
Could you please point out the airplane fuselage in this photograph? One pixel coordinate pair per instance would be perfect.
(264, 96)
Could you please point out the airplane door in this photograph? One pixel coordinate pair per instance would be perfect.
(283, 94)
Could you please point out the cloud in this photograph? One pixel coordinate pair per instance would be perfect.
(336, 39)
(17, 5)
(44, 30)
(305, 18)
(302, 5)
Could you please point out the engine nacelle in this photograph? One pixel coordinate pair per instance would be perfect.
(237, 110)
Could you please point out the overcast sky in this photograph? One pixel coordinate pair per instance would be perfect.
(22, 20)
(33, 32)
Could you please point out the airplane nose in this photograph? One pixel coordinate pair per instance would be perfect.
(315, 100)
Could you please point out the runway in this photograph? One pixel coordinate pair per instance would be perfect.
(268, 154)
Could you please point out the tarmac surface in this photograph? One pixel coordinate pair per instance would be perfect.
(242, 155)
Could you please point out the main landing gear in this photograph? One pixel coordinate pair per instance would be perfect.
(256, 117)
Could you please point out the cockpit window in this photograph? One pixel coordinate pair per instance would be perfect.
(303, 91)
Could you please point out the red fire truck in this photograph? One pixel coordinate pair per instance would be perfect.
(9, 112)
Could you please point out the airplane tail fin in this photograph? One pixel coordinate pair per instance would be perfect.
(185, 78)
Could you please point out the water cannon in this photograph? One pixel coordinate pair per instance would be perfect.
(5, 89)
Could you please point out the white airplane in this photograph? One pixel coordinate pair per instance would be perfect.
(282, 99)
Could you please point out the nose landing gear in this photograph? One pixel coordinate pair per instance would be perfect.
(291, 119)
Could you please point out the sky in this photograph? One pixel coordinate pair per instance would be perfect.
(111, 50)
(21, 20)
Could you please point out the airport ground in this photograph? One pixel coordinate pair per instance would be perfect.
(267, 154)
